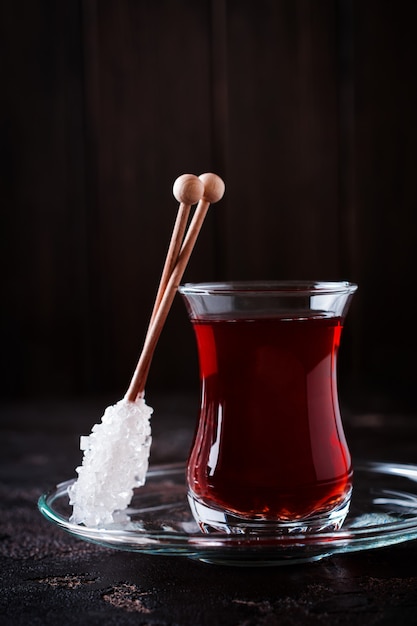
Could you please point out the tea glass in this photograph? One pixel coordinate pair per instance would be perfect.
(269, 453)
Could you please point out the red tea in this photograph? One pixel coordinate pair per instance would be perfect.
(270, 443)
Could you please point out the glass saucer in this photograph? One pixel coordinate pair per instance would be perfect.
(383, 512)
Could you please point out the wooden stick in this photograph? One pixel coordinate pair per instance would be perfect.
(188, 189)
(213, 192)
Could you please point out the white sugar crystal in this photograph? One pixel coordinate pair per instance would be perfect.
(116, 455)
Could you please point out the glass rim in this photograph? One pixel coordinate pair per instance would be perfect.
(281, 287)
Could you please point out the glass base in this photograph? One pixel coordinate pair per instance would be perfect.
(213, 520)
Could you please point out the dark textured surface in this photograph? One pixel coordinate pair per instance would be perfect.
(48, 577)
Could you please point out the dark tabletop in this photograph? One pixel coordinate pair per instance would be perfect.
(49, 577)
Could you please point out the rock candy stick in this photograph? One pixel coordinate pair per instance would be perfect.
(116, 453)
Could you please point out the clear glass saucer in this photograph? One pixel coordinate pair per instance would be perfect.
(383, 512)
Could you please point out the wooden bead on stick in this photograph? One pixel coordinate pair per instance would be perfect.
(213, 187)
(188, 189)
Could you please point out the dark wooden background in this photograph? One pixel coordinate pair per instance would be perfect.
(307, 108)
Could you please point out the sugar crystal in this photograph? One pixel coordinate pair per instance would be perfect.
(116, 457)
